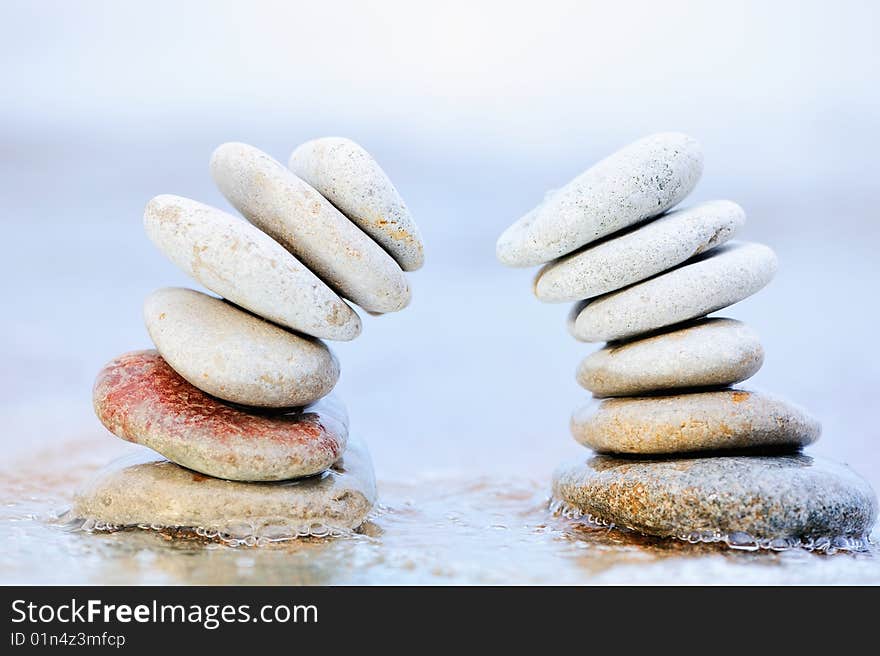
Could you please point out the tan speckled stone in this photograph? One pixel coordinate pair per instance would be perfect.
(642, 180)
(775, 502)
(140, 399)
(236, 260)
(721, 277)
(307, 224)
(349, 177)
(639, 253)
(237, 356)
(146, 490)
(709, 352)
(703, 421)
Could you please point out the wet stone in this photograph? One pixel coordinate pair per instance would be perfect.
(746, 501)
(144, 490)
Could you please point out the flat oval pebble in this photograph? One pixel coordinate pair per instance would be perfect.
(141, 399)
(642, 180)
(639, 253)
(236, 260)
(709, 352)
(746, 501)
(307, 224)
(702, 421)
(722, 277)
(348, 176)
(237, 356)
(147, 491)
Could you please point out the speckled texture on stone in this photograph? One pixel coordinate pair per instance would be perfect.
(307, 224)
(237, 356)
(701, 421)
(639, 253)
(639, 181)
(236, 260)
(349, 177)
(785, 497)
(708, 352)
(140, 399)
(146, 490)
(715, 280)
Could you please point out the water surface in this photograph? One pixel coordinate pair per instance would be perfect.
(431, 528)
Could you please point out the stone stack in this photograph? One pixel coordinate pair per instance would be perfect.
(681, 453)
(235, 395)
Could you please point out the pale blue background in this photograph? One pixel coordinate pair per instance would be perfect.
(475, 110)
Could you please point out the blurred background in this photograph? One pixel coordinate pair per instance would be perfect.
(475, 110)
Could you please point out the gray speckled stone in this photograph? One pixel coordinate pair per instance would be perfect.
(722, 277)
(701, 421)
(705, 353)
(307, 224)
(353, 181)
(145, 490)
(786, 498)
(642, 180)
(236, 260)
(639, 253)
(237, 356)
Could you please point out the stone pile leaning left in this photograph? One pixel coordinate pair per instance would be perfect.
(237, 386)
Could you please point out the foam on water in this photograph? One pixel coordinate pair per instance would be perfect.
(234, 535)
(738, 540)
(431, 527)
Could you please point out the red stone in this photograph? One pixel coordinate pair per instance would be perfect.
(141, 399)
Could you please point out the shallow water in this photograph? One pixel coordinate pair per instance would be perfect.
(430, 529)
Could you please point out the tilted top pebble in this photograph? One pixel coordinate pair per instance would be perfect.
(237, 356)
(239, 262)
(307, 224)
(721, 277)
(704, 353)
(349, 177)
(702, 421)
(642, 180)
(639, 253)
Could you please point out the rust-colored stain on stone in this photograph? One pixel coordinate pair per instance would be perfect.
(739, 397)
(140, 391)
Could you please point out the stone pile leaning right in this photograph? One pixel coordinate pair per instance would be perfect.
(681, 452)
(236, 396)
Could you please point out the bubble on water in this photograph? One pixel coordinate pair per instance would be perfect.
(241, 534)
(743, 541)
(738, 540)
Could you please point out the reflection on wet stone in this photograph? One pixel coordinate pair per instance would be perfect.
(744, 501)
(149, 492)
